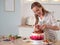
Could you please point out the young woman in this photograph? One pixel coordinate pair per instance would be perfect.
(44, 21)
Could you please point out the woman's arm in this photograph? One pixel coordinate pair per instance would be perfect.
(54, 24)
(50, 27)
(53, 27)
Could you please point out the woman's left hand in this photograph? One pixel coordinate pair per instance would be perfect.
(45, 26)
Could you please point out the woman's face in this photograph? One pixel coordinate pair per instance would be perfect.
(37, 10)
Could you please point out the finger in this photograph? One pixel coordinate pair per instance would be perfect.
(37, 26)
(43, 27)
(36, 29)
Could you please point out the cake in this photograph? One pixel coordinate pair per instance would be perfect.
(37, 38)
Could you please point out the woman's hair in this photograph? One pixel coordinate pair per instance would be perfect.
(38, 5)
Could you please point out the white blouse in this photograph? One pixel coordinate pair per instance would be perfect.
(49, 20)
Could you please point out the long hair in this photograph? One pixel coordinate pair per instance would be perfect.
(43, 10)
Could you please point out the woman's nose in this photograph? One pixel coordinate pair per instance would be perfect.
(37, 12)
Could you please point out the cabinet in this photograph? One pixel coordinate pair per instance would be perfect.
(25, 31)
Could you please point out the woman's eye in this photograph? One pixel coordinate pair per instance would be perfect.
(37, 10)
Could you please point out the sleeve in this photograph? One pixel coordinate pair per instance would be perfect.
(53, 20)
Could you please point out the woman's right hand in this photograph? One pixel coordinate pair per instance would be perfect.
(37, 26)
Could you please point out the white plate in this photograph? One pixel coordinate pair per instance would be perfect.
(40, 42)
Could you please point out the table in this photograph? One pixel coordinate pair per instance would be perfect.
(20, 42)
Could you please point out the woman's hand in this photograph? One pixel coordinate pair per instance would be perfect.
(37, 26)
(38, 29)
(45, 26)
(42, 27)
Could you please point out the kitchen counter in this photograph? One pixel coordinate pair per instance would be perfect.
(20, 42)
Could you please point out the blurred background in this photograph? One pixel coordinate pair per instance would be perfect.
(12, 12)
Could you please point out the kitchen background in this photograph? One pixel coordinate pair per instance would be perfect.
(10, 21)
